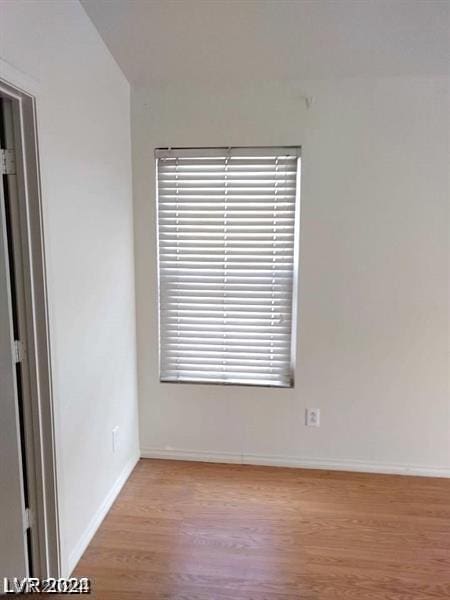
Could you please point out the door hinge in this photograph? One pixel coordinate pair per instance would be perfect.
(28, 519)
(7, 161)
(18, 351)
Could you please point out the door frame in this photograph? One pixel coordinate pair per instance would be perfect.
(40, 438)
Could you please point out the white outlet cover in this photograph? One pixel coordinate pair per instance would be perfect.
(312, 417)
(115, 438)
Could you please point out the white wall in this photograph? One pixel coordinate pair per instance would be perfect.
(84, 131)
(373, 333)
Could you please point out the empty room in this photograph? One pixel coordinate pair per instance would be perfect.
(224, 299)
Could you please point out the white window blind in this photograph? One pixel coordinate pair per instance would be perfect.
(227, 241)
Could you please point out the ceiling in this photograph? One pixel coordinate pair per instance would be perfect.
(262, 40)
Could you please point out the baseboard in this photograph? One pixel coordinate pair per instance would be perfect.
(100, 514)
(297, 462)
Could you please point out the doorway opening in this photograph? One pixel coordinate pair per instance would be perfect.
(30, 532)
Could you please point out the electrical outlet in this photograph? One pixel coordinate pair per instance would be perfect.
(312, 417)
(115, 438)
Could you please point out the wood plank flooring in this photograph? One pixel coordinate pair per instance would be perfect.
(197, 531)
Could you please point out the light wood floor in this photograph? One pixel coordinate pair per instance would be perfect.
(196, 531)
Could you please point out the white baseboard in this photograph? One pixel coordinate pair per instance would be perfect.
(297, 462)
(100, 514)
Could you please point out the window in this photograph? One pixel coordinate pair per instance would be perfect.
(227, 244)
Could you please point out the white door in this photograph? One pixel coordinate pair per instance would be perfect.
(13, 536)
